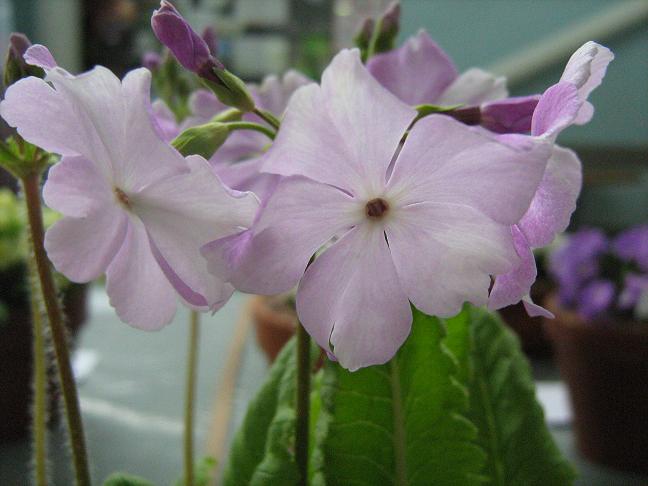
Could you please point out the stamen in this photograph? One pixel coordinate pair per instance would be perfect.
(376, 208)
(122, 198)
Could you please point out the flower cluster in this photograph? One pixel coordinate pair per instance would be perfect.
(599, 277)
(391, 182)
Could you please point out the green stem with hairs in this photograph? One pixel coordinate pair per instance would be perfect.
(190, 394)
(39, 402)
(268, 117)
(31, 188)
(243, 125)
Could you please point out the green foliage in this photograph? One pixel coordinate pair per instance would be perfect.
(202, 139)
(402, 422)
(455, 406)
(123, 479)
(512, 430)
(263, 450)
(204, 471)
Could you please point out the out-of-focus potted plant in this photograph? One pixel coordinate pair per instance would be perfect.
(600, 338)
(15, 319)
(275, 321)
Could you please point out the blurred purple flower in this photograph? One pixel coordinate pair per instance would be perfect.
(576, 262)
(211, 39)
(632, 245)
(151, 60)
(634, 287)
(595, 299)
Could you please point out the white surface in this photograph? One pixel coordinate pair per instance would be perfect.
(555, 402)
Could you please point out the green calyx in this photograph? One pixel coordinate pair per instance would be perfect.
(231, 90)
(21, 158)
(202, 139)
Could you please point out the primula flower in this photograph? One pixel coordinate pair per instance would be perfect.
(596, 299)
(134, 208)
(428, 223)
(561, 105)
(419, 72)
(238, 161)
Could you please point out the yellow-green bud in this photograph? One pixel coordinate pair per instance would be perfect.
(201, 140)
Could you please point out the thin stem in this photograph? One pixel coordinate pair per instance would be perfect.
(268, 117)
(303, 403)
(59, 339)
(39, 404)
(243, 125)
(190, 393)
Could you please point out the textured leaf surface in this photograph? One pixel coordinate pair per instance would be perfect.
(512, 430)
(400, 423)
(123, 479)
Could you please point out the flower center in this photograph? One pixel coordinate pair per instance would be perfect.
(122, 198)
(376, 208)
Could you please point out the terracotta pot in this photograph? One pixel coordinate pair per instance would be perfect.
(275, 321)
(605, 365)
(529, 330)
(16, 363)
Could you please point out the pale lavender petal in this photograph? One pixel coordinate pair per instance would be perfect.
(634, 287)
(444, 161)
(246, 176)
(145, 157)
(39, 55)
(474, 87)
(75, 188)
(298, 219)
(445, 253)
(136, 286)
(534, 310)
(511, 287)
(82, 248)
(586, 69)
(344, 133)
(417, 72)
(240, 145)
(510, 115)
(274, 93)
(632, 245)
(45, 117)
(352, 297)
(204, 105)
(165, 120)
(556, 110)
(185, 212)
(555, 200)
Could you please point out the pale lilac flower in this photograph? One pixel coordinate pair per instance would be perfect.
(596, 299)
(165, 121)
(429, 228)
(133, 207)
(632, 245)
(419, 72)
(237, 161)
(151, 60)
(560, 106)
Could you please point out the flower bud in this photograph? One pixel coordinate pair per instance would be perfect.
(388, 27)
(202, 139)
(15, 67)
(194, 54)
(210, 38)
(362, 38)
(151, 60)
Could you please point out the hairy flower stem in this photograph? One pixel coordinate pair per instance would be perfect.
(31, 188)
(190, 393)
(268, 117)
(303, 403)
(39, 401)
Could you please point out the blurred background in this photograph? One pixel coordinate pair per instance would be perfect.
(130, 393)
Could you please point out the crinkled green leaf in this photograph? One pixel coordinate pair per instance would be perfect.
(401, 423)
(512, 429)
(263, 450)
(123, 479)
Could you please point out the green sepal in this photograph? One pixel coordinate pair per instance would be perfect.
(232, 114)
(231, 90)
(21, 158)
(202, 139)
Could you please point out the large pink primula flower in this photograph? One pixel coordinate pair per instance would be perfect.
(134, 208)
(562, 105)
(428, 223)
